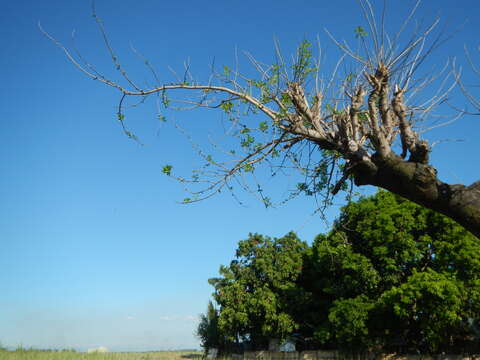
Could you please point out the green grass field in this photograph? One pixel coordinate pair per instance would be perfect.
(24, 354)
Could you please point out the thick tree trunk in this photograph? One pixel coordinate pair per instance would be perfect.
(419, 183)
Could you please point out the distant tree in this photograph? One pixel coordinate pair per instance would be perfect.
(391, 275)
(358, 126)
(257, 291)
(208, 331)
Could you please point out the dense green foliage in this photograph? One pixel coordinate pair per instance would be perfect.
(258, 291)
(394, 275)
(390, 276)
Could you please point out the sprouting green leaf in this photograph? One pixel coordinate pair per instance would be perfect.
(227, 106)
(303, 65)
(258, 146)
(161, 118)
(165, 101)
(285, 99)
(248, 168)
(263, 126)
(167, 169)
(302, 187)
(120, 116)
(130, 135)
(226, 71)
(258, 84)
(245, 130)
(349, 77)
(267, 201)
(307, 124)
(332, 110)
(273, 79)
(363, 116)
(360, 32)
(276, 68)
(187, 200)
(249, 140)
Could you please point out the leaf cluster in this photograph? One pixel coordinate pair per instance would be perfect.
(389, 276)
(255, 291)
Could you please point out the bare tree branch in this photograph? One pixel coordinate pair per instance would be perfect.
(327, 128)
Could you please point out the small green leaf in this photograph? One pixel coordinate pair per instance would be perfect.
(226, 71)
(302, 186)
(263, 126)
(267, 202)
(248, 168)
(363, 116)
(227, 106)
(360, 32)
(258, 146)
(165, 100)
(286, 99)
(249, 140)
(167, 169)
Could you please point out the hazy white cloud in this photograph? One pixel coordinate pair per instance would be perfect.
(178, 318)
(131, 317)
(100, 349)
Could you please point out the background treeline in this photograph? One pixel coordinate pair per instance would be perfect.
(390, 276)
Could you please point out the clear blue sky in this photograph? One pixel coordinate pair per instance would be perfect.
(95, 250)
